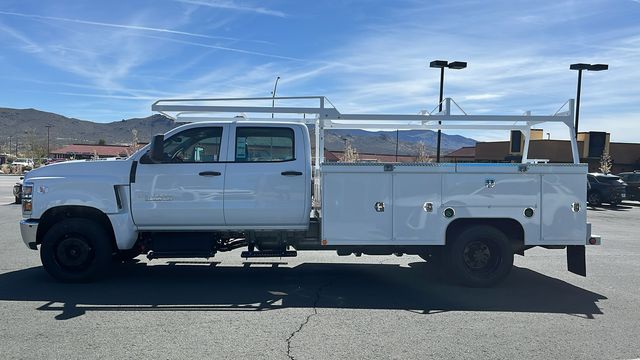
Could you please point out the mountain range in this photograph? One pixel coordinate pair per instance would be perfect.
(29, 128)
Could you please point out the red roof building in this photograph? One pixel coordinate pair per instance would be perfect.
(87, 151)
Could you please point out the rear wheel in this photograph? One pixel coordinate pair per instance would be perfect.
(76, 250)
(480, 256)
(594, 199)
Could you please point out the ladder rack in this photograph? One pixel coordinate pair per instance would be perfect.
(326, 116)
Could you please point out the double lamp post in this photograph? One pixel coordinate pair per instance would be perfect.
(457, 65)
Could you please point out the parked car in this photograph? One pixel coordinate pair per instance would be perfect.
(24, 162)
(17, 190)
(632, 179)
(605, 188)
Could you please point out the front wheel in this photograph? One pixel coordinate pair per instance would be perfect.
(76, 250)
(480, 256)
(18, 200)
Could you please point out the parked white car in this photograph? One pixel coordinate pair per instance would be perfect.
(23, 162)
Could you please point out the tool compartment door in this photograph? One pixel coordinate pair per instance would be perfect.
(356, 205)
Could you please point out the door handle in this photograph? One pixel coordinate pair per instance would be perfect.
(291, 173)
(210, 173)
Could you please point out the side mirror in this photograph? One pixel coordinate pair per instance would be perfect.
(156, 153)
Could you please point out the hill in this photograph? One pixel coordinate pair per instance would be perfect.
(28, 128)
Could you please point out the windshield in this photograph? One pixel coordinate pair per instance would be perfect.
(609, 179)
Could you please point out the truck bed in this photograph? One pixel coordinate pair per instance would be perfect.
(404, 204)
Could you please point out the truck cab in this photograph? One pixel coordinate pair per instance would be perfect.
(213, 175)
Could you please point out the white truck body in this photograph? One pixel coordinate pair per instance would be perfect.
(227, 183)
(472, 190)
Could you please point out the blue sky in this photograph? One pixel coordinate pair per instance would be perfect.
(109, 60)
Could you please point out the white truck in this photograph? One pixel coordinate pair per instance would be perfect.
(219, 184)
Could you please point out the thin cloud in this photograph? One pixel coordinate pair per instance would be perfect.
(225, 48)
(232, 5)
(483, 96)
(123, 26)
(102, 96)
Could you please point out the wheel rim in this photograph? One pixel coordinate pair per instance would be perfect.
(74, 252)
(481, 256)
(594, 198)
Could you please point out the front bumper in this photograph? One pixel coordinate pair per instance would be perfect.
(29, 230)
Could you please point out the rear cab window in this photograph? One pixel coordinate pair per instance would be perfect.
(264, 144)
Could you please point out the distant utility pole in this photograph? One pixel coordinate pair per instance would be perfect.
(48, 149)
(273, 95)
(397, 141)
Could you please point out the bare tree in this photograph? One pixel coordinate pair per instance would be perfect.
(605, 163)
(423, 156)
(350, 153)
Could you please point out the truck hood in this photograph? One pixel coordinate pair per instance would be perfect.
(112, 170)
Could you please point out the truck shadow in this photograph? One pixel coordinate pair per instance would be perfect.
(268, 286)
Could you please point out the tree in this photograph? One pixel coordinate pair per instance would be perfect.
(102, 142)
(350, 154)
(605, 163)
(423, 156)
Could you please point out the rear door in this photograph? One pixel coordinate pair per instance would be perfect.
(267, 182)
(186, 189)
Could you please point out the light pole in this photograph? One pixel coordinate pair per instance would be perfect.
(441, 64)
(48, 150)
(273, 95)
(580, 67)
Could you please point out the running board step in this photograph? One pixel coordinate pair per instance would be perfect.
(268, 253)
(179, 254)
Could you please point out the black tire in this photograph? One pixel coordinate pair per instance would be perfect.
(18, 200)
(594, 199)
(480, 256)
(76, 250)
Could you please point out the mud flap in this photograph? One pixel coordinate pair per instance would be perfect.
(576, 260)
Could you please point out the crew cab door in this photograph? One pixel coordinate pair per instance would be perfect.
(185, 189)
(268, 182)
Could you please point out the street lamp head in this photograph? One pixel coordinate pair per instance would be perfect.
(579, 66)
(457, 65)
(598, 67)
(438, 64)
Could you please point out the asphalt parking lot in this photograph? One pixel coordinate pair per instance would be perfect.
(320, 306)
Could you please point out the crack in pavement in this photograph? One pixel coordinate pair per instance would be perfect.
(306, 320)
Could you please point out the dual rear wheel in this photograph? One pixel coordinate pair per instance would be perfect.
(478, 256)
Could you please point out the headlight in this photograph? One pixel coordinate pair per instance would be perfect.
(27, 201)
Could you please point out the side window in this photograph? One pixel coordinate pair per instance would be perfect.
(196, 145)
(264, 144)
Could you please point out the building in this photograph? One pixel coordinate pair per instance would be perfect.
(88, 151)
(591, 146)
(464, 154)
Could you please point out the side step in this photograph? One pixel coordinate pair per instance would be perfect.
(268, 253)
(178, 254)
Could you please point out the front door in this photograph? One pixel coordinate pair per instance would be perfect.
(185, 189)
